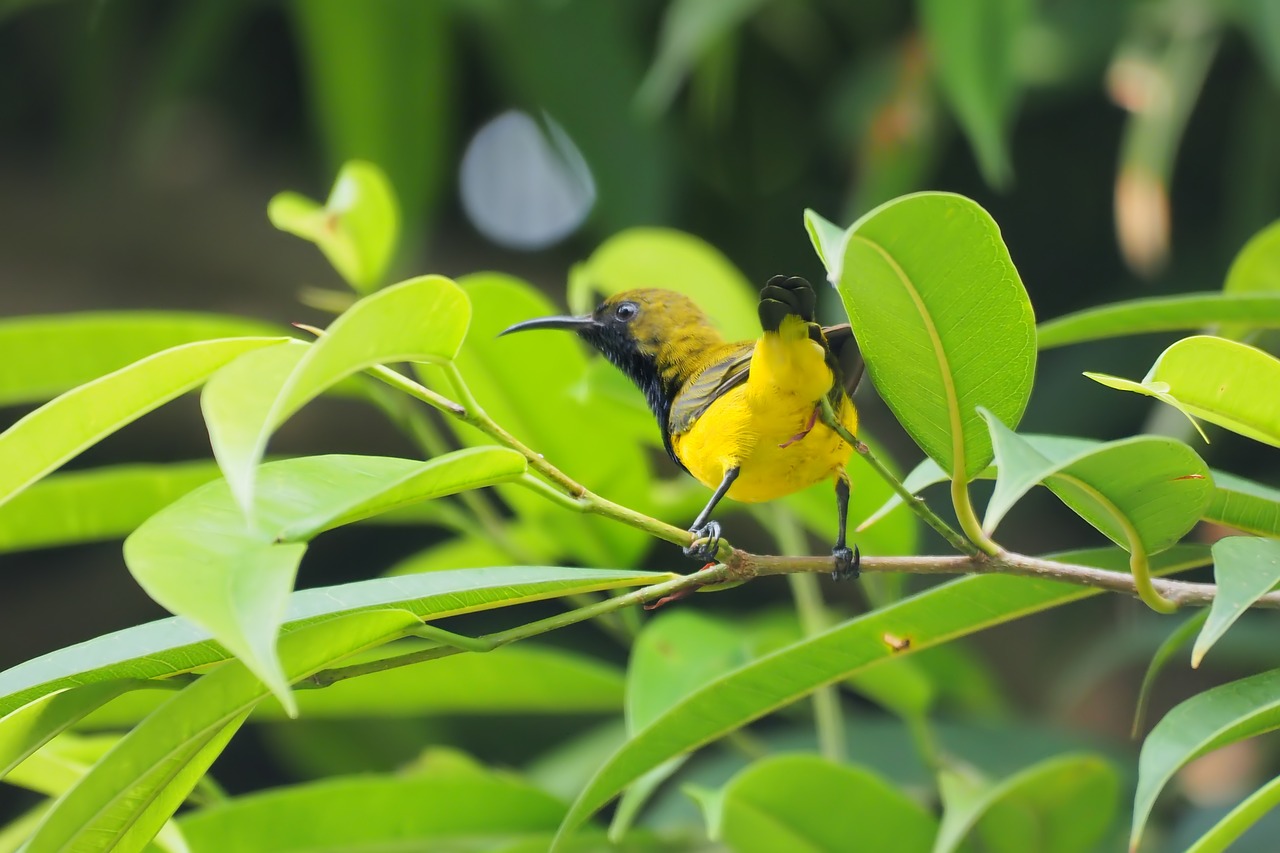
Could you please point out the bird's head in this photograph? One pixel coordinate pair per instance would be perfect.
(635, 329)
(656, 337)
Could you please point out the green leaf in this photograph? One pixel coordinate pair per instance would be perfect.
(674, 655)
(1222, 381)
(937, 615)
(1244, 505)
(1164, 653)
(1061, 805)
(1224, 714)
(357, 228)
(175, 646)
(785, 803)
(94, 505)
(1144, 490)
(43, 356)
(583, 437)
(1245, 568)
(26, 729)
(690, 29)
(663, 257)
(1161, 314)
(128, 795)
(199, 559)
(1236, 502)
(83, 416)
(379, 84)
(1239, 820)
(974, 47)
(432, 809)
(422, 319)
(523, 679)
(943, 321)
(828, 241)
(1257, 268)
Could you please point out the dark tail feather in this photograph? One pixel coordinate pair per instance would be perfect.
(783, 296)
(844, 351)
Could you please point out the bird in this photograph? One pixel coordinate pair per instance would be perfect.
(742, 417)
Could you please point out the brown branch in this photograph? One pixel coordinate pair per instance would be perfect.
(1183, 593)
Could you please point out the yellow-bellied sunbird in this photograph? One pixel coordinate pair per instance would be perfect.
(741, 417)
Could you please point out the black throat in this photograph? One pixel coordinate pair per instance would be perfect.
(642, 369)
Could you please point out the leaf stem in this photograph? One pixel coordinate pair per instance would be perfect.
(916, 504)
(968, 519)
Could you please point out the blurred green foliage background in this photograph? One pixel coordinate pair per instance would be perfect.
(1125, 148)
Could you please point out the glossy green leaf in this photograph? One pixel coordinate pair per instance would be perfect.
(379, 87)
(1244, 505)
(199, 559)
(422, 319)
(784, 802)
(175, 646)
(523, 679)
(584, 438)
(83, 416)
(357, 228)
(123, 800)
(1245, 568)
(61, 764)
(97, 504)
(1239, 820)
(43, 356)
(1221, 715)
(26, 729)
(662, 257)
(1236, 502)
(432, 809)
(974, 47)
(828, 242)
(1164, 653)
(898, 686)
(1256, 269)
(1222, 381)
(943, 321)
(674, 655)
(1143, 490)
(937, 615)
(1160, 314)
(1064, 804)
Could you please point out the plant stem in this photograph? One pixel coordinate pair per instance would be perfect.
(814, 619)
(452, 644)
(968, 518)
(916, 504)
(743, 566)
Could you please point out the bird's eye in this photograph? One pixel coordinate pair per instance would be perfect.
(625, 311)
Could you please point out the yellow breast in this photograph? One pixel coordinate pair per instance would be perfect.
(758, 436)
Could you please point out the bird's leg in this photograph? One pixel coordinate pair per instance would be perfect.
(708, 530)
(808, 428)
(846, 560)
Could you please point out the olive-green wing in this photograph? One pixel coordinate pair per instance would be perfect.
(697, 395)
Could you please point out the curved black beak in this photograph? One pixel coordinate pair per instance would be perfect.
(572, 324)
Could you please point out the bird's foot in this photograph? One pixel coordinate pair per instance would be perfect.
(847, 563)
(706, 541)
(808, 428)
